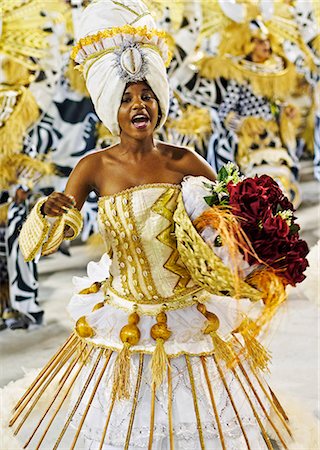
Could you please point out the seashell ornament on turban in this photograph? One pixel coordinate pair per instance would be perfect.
(119, 44)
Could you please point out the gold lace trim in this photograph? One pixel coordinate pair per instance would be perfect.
(139, 187)
(126, 29)
(164, 304)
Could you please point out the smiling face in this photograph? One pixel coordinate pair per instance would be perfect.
(138, 112)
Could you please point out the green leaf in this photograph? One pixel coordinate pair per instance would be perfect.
(222, 174)
(294, 228)
(212, 199)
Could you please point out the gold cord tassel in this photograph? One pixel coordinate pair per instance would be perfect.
(257, 353)
(129, 335)
(159, 362)
(223, 350)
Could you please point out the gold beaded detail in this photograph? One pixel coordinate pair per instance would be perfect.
(83, 328)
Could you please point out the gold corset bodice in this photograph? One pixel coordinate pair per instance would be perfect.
(138, 225)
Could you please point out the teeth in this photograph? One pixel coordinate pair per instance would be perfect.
(140, 116)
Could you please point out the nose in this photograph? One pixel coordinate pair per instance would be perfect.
(138, 104)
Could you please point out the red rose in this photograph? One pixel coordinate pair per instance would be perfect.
(256, 202)
(275, 226)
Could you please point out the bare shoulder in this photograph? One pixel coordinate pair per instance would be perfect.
(94, 161)
(187, 160)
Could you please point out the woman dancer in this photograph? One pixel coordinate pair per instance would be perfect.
(156, 360)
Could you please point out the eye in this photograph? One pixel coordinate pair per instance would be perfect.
(147, 97)
(126, 99)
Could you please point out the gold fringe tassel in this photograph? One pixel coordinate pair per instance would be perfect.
(25, 113)
(223, 350)
(129, 335)
(121, 380)
(256, 352)
(273, 293)
(271, 85)
(12, 165)
(159, 361)
(76, 79)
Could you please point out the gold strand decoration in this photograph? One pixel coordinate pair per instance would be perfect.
(135, 401)
(274, 402)
(262, 406)
(195, 402)
(68, 342)
(278, 406)
(170, 419)
(55, 396)
(273, 293)
(256, 352)
(42, 390)
(159, 361)
(152, 415)
(105, 428)
(213, 403)
(52, 371)
(129, 335)
(71, 384)
(84, 415)
(256, 415)
(223, 350)
(76, 406)
(231, 401)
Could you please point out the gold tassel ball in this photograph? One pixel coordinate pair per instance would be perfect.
(83, 328)
(160, 333)
(129, 335)
(222, 349)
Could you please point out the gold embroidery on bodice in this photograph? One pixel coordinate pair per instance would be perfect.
(138, 223)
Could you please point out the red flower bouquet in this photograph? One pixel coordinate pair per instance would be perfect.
(267, 219)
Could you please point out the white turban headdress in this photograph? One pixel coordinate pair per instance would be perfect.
(118, 44)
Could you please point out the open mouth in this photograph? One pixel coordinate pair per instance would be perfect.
(140, 121)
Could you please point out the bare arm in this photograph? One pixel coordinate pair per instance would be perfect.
(77, 190)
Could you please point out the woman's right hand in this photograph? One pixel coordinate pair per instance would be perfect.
(58, 204)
